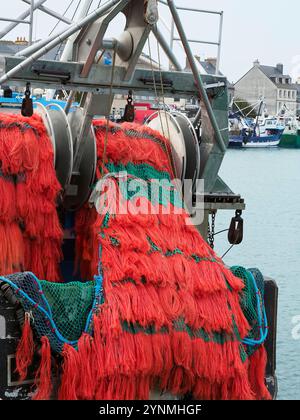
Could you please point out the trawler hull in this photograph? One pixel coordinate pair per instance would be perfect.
(290, 141)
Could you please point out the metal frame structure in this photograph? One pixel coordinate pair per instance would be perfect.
(196, 10)
(34, 4)
(79, 70)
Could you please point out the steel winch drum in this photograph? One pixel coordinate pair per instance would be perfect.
(59, 132)
(87, 169)
(63, 131)
(185, 147)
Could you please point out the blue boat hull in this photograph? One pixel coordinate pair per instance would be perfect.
(238, 141)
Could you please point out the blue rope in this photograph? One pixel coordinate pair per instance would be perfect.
(262, 317)
(48, 312)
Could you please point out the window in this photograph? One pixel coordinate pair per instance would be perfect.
(280, 93)
(289, 94)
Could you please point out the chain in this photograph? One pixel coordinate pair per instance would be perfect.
(211, 230)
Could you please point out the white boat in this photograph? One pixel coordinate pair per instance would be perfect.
(267, 124)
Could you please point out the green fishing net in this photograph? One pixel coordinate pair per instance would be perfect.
(60, 311)
(63, 311)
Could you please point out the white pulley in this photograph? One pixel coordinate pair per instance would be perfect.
(184, 142)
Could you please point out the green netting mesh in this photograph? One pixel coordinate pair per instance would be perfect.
(145, 181)
(64, 311)
(252, 303)
(70, 305)
(142, 171)
(60, 311)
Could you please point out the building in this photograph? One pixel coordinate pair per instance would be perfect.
(209, 66)
(297, 86)
(271, 84)
(10, 48)
(13, 47)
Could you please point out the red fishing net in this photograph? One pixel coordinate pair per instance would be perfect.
(171, 317)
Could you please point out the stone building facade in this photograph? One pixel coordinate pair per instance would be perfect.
(271, 84)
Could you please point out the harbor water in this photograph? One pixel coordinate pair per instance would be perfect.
(269, 180)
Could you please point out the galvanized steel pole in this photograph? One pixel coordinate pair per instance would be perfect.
(60, 38)
(31, 22)
(197, 76)
(19, 19)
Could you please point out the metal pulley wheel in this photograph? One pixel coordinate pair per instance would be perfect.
(63, 131)
(79, 192)
(184, 142)
(59, 132)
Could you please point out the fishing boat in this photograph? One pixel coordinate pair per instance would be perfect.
(14, 103)
(290, 140)
(266, 132)
(110, 287)
(291, 136)
(260, 132)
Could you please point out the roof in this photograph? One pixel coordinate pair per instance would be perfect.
(209, 67)
(11, 48)
(272, 71)
(5, 49)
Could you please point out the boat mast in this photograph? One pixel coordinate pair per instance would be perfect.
(257, 117)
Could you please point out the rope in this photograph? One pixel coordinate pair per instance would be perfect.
(60, 45)
(170, 156)
(262, 317)
(65, 12)
(47, 312)
(108, 112)
(154, 83)
(162, 88)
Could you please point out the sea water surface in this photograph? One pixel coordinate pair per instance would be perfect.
(269, 180)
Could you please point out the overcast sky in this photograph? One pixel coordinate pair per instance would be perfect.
(264, 30)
